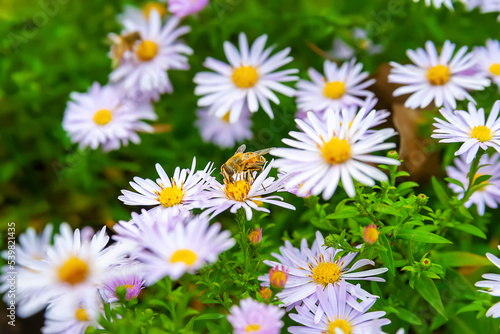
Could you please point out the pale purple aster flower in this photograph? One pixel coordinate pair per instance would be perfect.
(469, 128)
(337, 316)
(485, 6)
(489, 194)
(182, 8)
(129, 276)
(249, 79)
(255, 318)
(340, 87)
(103, 117)
(492, 283)
(438, 3)
(488, 59)
(441, 79)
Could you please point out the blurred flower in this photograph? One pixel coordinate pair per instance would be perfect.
(247, 80)
(265, 293)
(181, 8)
(340, 87)
(242, 193)
(254, 317)
(344, 51)
(370, 234)
(328, 150)
(184, 249)
(129, 276)
(337, 316)
(309, 268)
(438, 3)
(143, 69)
(488, 59)
(485, 6)
(469, 128)
(169, 195)
(489, 194)
(441, 79)
(141, 15)
(220, 131)
(103, 117)
(255, 236)
(278, 277)
(493, 284)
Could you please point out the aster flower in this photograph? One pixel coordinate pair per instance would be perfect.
(469, 128)
(492, 283)
(488, 59)
(327, 151)
(489, 194)
(127, 275)
(343, 51)
(249, 79)
(143, 69)
(169, 195)
(441, 79)
(186, 248)
(242, 193)
(220, 131)
(141, 15)
(182, 8)
(485, 6)
(256, 318)
(103, 117)
(438, 3)
(338, 315)
(309, 268)
(340, 87)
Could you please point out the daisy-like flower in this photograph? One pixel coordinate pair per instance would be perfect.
(128, 276)
(103, 117)
(343, 51)
(182, 8)
(134, 14)
(469, 128)
(441, 79)
(338, 316)
(489, 194)
(249, 79)
(184, 249)
(242, 193)
(485, 6)
(169, 195)
(143, 69)
(438, 3)
(340, 87)
(492, 283)
(327, 151)
(220, 131)
(488, 59)
(313, 267)
(256, 318)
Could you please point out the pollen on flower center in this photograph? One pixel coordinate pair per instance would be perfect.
(252, 328)
(438, 75)
(340, 324)
(237, 190)
(495, 69)
(245, 76)
(128, 286)
(147, 50)
(102, 117)
(336, 151)
(184, 255)
(326, 272)
(73, 271)
(334, 89)
(81, 314)
(481, 133)
(170, 196)
(149, 6)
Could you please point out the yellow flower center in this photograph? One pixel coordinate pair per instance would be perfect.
(495, 69)
(81, 315)
(237, 190)
(277, 279)
(482, 133)
(252, 328)
(184, 255)
(340, 324)
(336, 151)
(334, 89)
(245, 76)
(254, 236)
(149, 6)
(438, 75)
(102, 117)
(128, 286)
(73, 271)
(371, 234)
(326, 272)
(225, 118)
(147, 50)
(170, 196)
(265, 293)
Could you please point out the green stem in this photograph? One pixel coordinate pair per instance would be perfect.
(241, 220)
(472, 173)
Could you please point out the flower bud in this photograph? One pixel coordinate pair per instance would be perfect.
(393, 154)
(255, 236)
(265, 293)
(278, 277)
(422, 199)
(425, 263)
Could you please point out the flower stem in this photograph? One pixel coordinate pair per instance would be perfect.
(241, 220)
(472, 173)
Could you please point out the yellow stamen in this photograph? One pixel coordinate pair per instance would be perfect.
(438, 75)
(170, 196)
(149, 6)
(252, 328)
(102, 117)
(81, 314)
(245, 76)
(278, 279)
(183, 255)
(334, 89)
(73, 271)
(482, 133)
(325, 272)
(147, 50)
(128, 286)
(343, 325)
(237, 190)
(225, 118)
(336, 151)
(495, 69)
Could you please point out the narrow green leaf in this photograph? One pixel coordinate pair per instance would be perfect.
(386, 209)
(210, 316)
(465, 212)
(407, 185)
(481, 179)
(469, 308)
(387, 256)
(428, 290)
(408, 316)
(440, 193)
(460, 259)
(345, 212)
(458, 183)
(422, 236)
(471, 229)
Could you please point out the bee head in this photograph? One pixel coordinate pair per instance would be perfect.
(227, 171)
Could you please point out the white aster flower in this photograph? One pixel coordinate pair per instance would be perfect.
(169, 195)
(256, 318)
(441, 79)
(141, 15)
(492, 283)
(469, 128)
(220, 131)
(186, 248)
(327, 151)
(489, 194)
(488, 60)
(143, 70)
(310, 268)
(249, 79)
(338, 316)
(103, 117)
(129, 276)
(438, 3)
(340, 87)
(485, 6)
(182, 8)
(242, 193)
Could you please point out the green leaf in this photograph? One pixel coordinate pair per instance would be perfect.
(471, 229)
(387, 256)
(386, 209)
(408, 316)
(464, 212)
(470, 307)
(440, 193)
(481, 179)
(407, 185)
(458, 183)
(210, 316)
(460, 259)
(345, 212)
(422, 236)
(428, 290)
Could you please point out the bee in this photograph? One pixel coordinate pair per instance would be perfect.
(243, 162)
(122, 43)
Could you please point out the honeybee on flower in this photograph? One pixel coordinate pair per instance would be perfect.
(244, 163)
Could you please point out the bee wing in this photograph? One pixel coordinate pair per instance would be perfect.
(241, 149)
(264, 151)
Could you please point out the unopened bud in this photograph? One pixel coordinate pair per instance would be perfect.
(370, 234)
(255, 236)
(278, 277)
